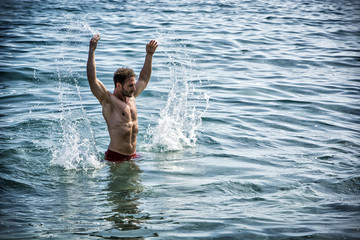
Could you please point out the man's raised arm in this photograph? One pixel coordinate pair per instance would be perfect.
(97, 87)
(145, 73)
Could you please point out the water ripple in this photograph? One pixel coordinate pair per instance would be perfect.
(275, 151)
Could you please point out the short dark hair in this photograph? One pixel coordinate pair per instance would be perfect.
(122, 74)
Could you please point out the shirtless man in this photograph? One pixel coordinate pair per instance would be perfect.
(119, 107)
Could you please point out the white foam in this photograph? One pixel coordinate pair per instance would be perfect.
(76, 148)
(74, 141)
(180, 119)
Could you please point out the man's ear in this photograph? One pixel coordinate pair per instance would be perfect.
(119, 85)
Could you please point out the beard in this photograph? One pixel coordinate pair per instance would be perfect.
(127, 93)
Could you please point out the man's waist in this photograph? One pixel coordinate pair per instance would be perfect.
(114, 156)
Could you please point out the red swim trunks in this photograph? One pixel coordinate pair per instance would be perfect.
(117, 157)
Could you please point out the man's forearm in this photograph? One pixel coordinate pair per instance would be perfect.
(91, 68)
(147, 68)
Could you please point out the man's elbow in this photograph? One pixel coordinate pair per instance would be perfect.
(99, 95)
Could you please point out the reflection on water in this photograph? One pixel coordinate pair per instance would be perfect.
(124, 188)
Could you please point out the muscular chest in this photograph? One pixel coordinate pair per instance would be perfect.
(121, 112)
(127, 112)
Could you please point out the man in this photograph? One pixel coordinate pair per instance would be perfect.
(119, 107)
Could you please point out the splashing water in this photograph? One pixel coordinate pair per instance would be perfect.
(180, 119)
(75, 147)
(87, 27)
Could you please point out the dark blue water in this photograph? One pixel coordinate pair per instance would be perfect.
(249, 128)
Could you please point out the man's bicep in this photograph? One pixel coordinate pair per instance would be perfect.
(100, 92)
(140, 86)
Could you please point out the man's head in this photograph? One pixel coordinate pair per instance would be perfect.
(124, 79)
(122, 74)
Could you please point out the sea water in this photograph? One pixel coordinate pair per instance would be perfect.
(248, 129)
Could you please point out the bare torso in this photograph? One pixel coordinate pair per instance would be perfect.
(121, 120)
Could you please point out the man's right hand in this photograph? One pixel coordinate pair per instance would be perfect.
(93, 42)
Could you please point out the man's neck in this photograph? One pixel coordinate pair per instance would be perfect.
(120, 96)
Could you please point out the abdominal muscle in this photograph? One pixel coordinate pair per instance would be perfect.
(123, 138)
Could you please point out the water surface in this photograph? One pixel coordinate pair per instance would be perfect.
(249, 128)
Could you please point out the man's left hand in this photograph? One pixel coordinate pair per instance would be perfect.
(151, 47)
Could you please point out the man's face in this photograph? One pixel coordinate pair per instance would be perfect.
(129, 88)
